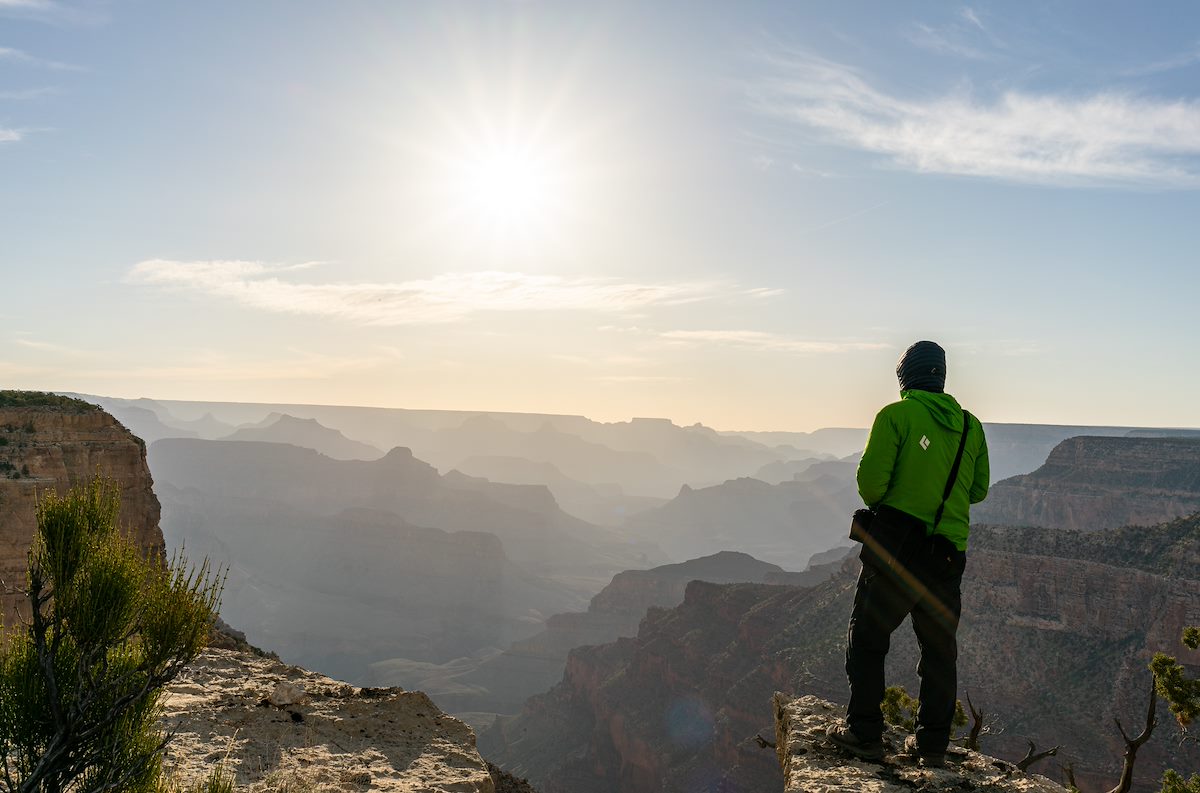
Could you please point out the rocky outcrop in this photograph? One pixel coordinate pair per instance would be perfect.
(49, 442)
(280, 727)
(1093, 483)
(1057, 631)
(811, 764)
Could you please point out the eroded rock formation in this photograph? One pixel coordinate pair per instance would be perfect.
(53, 443)
(1100, 483)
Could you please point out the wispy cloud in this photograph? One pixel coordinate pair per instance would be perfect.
(50, 347)
(52, 11)
(20, 56)
(1180, 61)
(626, 379)
(444, 298)
(1107, 138)
(9, 135)
(760, 340)
(946, 41)
(27, 93)
(971, 17)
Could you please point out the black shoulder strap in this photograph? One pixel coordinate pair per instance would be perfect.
(962, 443)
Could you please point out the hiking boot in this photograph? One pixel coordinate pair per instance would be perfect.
(847, 741)
(927, 759)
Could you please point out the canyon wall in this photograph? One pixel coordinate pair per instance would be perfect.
(1099, 483)
(52, 443)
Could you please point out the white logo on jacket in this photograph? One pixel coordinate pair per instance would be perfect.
(924, 443)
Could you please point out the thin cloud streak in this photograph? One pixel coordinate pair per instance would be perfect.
(444, 298)
(22, 57)
(1106, 139)
(944, 42)
(9, 135)
(760, 340)
(1167, 65)
(27, 93)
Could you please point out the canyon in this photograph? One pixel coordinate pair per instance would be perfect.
(1058, 628)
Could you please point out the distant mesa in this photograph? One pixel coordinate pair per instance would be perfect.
(605, 504)
(308, 433)
(207, 426)
(1091, 483)
(784, 523)
(146, 424)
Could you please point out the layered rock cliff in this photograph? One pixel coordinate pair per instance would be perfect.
(50, 442)
(1098, 482)
(1057, 631)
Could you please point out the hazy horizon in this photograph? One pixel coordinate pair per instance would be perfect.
(199, 411)
(732, 214)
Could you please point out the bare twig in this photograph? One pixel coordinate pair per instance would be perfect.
(1069, 772)
(972, 742)
(1133, 744)
(1033, 755)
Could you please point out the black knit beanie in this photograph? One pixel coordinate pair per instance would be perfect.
(923, 366)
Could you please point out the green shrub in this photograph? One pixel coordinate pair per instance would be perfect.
(108, 628)
(900, 710)
(25, 399)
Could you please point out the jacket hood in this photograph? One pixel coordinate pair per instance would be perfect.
(944, 407)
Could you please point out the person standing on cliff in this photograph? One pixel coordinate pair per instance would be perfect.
(904, 477)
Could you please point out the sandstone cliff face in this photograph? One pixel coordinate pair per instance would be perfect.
(54, 446)
(811, 764)
(1097, 483)
(1055, 640)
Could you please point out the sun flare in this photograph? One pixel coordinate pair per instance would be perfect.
(509, 189)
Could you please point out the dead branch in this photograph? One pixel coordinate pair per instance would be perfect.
(1069, 772)
(972, 742)
(1033, 755)
(1133, 744)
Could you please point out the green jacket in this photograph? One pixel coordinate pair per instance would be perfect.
(908, 458)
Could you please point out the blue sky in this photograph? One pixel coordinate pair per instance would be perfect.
(734, 213)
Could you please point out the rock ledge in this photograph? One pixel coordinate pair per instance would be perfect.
(278, 727)
(811, 764)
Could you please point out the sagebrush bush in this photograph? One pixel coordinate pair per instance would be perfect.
(109, 626)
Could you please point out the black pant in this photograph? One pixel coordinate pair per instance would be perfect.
(926, 583)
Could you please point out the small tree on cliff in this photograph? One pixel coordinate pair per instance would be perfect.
(1182, 694)
(108, 628)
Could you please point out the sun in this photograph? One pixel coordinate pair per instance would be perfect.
(510, 189)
